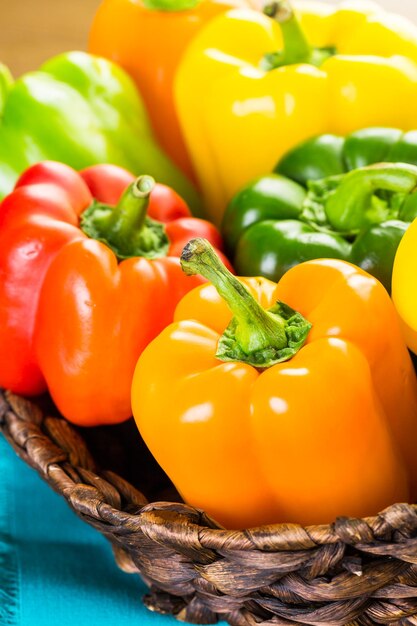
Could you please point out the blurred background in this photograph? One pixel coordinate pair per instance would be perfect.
(32, 31)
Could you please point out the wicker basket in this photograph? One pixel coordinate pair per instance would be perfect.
(351, 572)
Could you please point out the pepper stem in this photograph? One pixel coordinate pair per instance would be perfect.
(255, 336)
(296, 46)
(170, 5)
(126, 228)
(128, 216)
(352, 203)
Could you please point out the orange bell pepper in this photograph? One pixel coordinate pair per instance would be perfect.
(90, 273)
(254, 439)
(148, 40)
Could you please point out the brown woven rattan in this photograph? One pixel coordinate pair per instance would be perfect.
(350, 572)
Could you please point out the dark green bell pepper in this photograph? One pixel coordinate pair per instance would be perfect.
(79, 109)
(331, 197)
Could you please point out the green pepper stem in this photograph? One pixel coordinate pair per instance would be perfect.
(296, 47)
(126, 228)
(170, 5)
(255, 335)
(350, 206)
(128, 216)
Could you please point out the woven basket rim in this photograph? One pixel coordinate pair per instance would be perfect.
(153, 515)
(353, 571)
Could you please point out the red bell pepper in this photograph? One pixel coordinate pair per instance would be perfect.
(86, 285)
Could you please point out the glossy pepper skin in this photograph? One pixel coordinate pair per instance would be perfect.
(329, 432)
(242, 105)
(148, 40)
(85, 285)
(94, 113)
(328, 197)
(404, 292)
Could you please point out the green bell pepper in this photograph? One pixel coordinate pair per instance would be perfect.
(79, 109)
(331, 197)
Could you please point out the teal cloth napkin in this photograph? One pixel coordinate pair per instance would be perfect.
(54, 568)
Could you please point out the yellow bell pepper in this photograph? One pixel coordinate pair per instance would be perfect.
(404, 292)
(251, 85)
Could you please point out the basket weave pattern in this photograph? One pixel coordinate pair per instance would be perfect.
(350, 572)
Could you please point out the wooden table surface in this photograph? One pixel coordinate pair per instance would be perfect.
(34, 30)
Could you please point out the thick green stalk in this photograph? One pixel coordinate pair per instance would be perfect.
(351, 205)
(255, 336)
(296, 46)
(170, 5)
(128, 216)
(126, 228)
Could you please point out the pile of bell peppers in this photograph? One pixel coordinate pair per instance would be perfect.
(349, 198)
(290, 391)
(251, 86)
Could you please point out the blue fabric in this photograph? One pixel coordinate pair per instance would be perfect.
(9, 574)
(54, 568)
